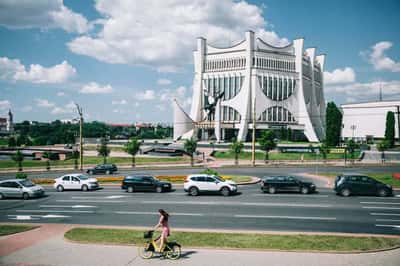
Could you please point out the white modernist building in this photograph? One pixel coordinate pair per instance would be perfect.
(368, 120)
(278, 86)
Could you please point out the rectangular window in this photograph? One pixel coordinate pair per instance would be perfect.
(265, 85)
(270, 87)
(226, 87)
(274, 114)
(280, 90)
(237, 83)
(285, 88)
(280, 114)
(275, 89)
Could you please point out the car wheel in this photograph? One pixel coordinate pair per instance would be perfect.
(60, 188)
(131, 189)
(345, 192)
(85, 188)
(225, 191)
(194, 191)
(1, 196)
(25, 196)
(158, 189)
(108, 172)
(382, 192)
(271, 190)
(304, 190)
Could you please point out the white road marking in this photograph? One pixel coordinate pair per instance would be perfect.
(55, 211)
(388, 225)
(284, 196)
(66, 206)
(237, 203)
(385, 214)
(382, 208)
(115, 197)
(284, 217)
(387, 220)
(55, 216)
(378, 198)
(23, 217)
(385, 203)
(93, 201)
(156, 213)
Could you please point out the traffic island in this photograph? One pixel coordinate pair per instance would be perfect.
(6, 229)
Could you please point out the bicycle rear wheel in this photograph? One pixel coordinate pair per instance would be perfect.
(173, 252)
(145, 251)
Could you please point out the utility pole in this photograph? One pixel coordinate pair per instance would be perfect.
(80, 137)
(398, 120)
(253, 142)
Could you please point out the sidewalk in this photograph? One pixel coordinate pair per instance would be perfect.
(54, 250)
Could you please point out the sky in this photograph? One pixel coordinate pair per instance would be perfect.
(123, 61)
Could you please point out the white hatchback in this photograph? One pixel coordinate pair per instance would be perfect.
(75, 181)
(195, 184)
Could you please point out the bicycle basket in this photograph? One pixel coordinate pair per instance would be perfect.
(148, 234)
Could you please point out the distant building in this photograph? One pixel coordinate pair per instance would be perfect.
(282, 87)
(363, 121)
(7, 123)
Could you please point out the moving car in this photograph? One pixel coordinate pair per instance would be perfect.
(102, 169)
(273, 184)
(358, 184)
(75, 181)
(144, 183)
(195, 184)
(20, 188)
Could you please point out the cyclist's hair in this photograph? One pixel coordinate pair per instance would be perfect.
(164, 214)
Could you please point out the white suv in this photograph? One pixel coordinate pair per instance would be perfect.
(194, 184)
(75, 181)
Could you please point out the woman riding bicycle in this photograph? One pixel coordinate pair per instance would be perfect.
(163, 223)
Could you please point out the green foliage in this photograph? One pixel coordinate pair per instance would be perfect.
(209, 171)
(351, 147)
(383, 145)
(324, 150)
(289, 134)
(21, 175)
(47, 155)
(75, 156)
(103, 150)
(18, 157)
(236, 148)
(190, 147)
(390, 129)
(333, 124)
(12, 141)
(267, 143)
(132, 147)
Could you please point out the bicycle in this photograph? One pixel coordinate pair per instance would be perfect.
(171, 250)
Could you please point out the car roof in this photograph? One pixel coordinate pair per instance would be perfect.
(74, 174)
(352, 174)
(200, 175)
(12, 180)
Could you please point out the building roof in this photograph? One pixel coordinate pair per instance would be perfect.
(372, 104)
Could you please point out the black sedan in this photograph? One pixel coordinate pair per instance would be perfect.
(358, 184)
(145, 183)
(273, 184)
(103, 169)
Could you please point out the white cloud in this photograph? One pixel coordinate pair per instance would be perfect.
(160, 107)
(94, 88)
(5, 104)
(146, 95)
(66, 109)
(13, 70)
(379, 60)
(26, 109)
(162, 34)
(121, 102)
(44, 103)
(42, 14)
(60, 93)
(163, 82)
(346, 75)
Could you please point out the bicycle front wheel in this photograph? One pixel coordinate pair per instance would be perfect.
(145, 252)
(174, 252)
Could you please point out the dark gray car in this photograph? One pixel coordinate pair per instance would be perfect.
(20, 188)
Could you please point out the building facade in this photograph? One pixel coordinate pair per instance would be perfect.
(363, 121)
(253, 80)
(7, 123)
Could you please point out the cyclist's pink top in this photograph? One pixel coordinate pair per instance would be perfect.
(165, 226)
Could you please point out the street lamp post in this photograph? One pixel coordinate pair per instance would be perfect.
(80, 137)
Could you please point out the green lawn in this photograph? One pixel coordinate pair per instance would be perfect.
(13, 229)
(239, 240)
(382, 177)
(91, 160)
(278, 156)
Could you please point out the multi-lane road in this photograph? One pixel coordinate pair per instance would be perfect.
(250, 209)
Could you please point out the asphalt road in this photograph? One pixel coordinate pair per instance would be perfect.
(250, 209)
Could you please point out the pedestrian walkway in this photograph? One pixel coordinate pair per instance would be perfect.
(54, 250)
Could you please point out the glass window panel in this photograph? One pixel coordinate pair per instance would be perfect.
(280, 114)
(275, 88)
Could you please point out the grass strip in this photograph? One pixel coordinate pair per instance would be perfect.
(6, 229)
(382, 177)
(239, 240)
(280, 155)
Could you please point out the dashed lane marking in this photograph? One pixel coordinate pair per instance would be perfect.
(285, 217)
(386, 220)
(66, 206)
(284, 196)
(156, 213)
(55, 211)
(93, 201)
(388, 225)
(382, 208)
(383, 203)
(385, 214)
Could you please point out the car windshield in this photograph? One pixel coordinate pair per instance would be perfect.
(220, 179)
(83, 177)
(27, 183)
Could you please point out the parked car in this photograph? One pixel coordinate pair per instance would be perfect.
(144, 183)
(195, 184)
(75, 181)
(103, 169)
(20, 188)
(273, 184)
(358, 184)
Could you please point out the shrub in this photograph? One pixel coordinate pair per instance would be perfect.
(209, 171)
(21, 175)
